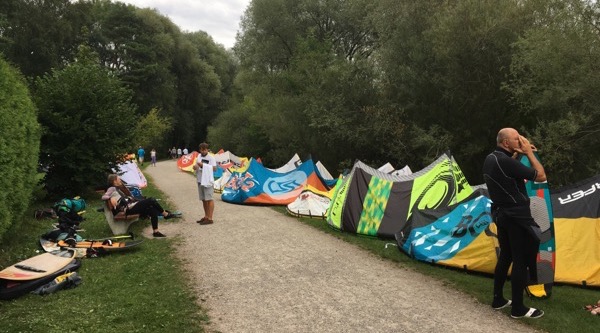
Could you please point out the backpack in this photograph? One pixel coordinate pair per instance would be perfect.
(74, 205)
(69, 211)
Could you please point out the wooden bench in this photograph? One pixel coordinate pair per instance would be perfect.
(119, 224)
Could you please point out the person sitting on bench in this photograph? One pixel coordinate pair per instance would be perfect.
(129, 205)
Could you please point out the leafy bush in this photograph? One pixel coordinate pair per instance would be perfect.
(19, 144)
(88, 121)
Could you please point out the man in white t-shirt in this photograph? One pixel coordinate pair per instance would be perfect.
(205, 167)
(185, 151)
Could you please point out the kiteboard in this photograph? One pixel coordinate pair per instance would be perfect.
(38, 267)
(98, 247)
(50, 243)
(541, 210)
(10, 289)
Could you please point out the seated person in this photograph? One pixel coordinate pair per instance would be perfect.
(121, 202)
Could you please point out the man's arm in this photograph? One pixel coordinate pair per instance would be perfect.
(528, 149)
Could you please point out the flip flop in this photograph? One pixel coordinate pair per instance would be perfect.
(533, 313)
(508, 303)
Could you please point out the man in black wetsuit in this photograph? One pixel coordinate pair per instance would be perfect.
(505, 179)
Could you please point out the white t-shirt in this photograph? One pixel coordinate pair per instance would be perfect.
(205, 175)
(185, 151)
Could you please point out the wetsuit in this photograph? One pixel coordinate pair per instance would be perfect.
(505, 179)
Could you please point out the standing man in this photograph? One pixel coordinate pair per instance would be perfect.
(505, 179)
(185, 151)
(141, 152)
(205, 167)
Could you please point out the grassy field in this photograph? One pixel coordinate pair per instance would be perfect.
(145, 290)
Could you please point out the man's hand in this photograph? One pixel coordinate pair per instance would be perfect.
(526, 147)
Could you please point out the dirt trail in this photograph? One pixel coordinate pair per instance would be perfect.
(256, 270)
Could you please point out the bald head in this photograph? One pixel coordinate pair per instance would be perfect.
(506, 134)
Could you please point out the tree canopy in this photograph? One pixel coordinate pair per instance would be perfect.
(403, 81)
(397, 81)
(88, 119)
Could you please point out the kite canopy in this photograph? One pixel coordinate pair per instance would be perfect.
(228, 160)
(220, 183)
(374, 203)
(131, 174)
(460, 235)
(311, 203)
(186, 162)
(577, 230)
(389, 168)
(225, 160)
(464, 236)
(541, 210)
(259, 185)
(292, 164)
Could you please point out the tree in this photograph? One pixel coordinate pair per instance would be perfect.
(88, 120)
(444, 64)
(199, 97)
(19, 143)
(151, 129)
(306, 79)
(137, 44)
(555, 82)
(38, 35)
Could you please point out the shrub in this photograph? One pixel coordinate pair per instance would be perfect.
(88, 121)
(19, 146)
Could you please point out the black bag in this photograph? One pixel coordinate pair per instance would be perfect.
(123, 202)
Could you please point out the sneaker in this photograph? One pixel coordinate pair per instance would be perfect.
(532, 313)
(158, 234)
(206, 221)
(501, 304)
(169, 215)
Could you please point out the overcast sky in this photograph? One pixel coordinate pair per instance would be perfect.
(219, 18)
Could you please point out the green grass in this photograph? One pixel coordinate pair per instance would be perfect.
(142, 290)
(564, 309)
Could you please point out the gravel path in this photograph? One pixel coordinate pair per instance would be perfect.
(256, 270)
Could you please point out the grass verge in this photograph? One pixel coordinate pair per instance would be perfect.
(141, 290)
(564, 309)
